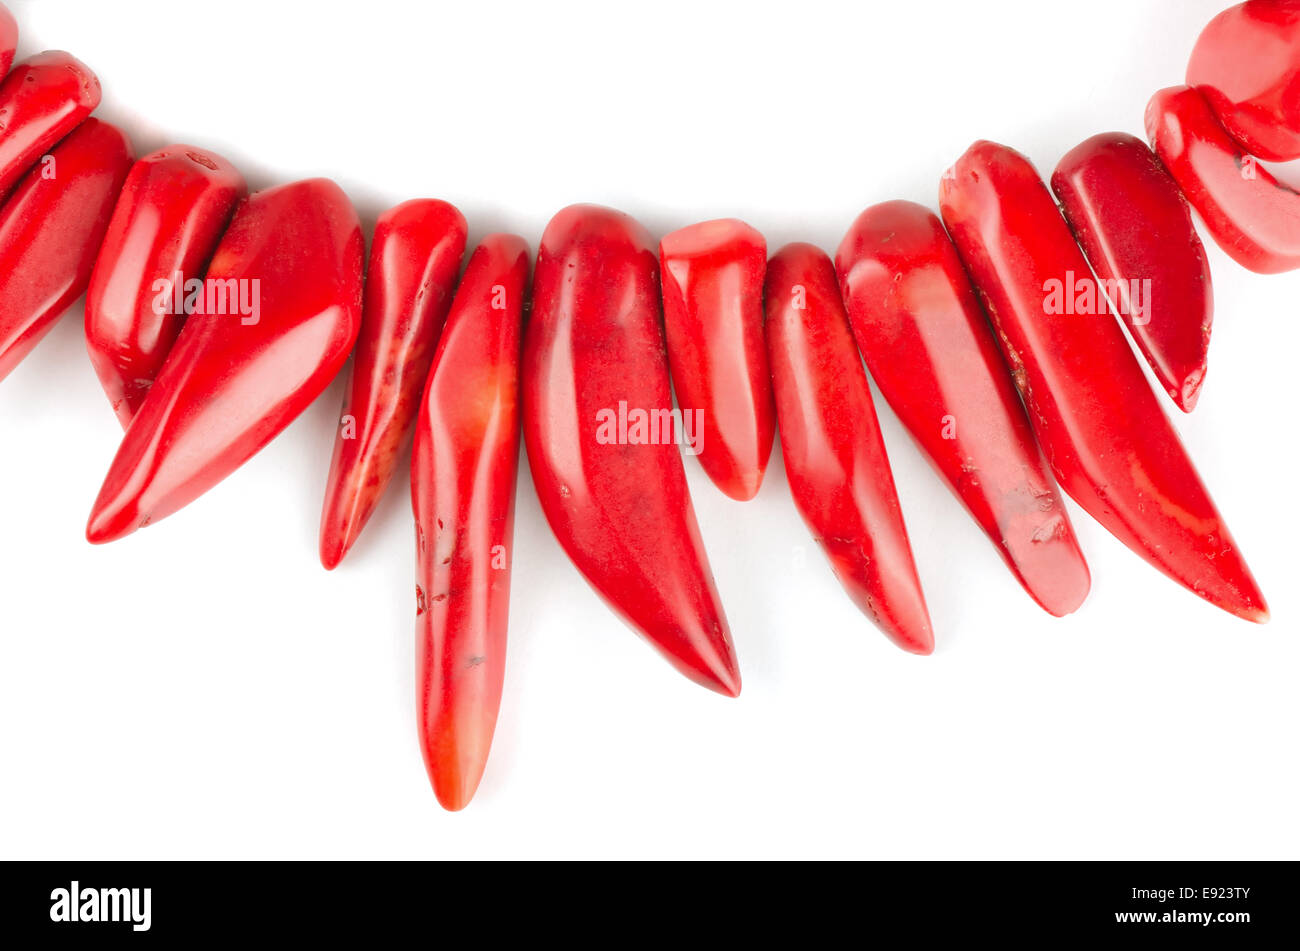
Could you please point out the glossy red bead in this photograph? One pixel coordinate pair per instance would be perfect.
(172, 211)
(1247, 65)
(835, 456)
(1136, 229)
(414, 260)
(50, 231)
(463, 471)
(1098, 420)
(602, 444)
(713, 320)
(239, 375)
(929, 348)
(1250, 214)
(41, 100)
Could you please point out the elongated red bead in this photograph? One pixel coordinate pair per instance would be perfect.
(50, 232)
(601, 439)
(414, 260)
(929, 348)
(1096, 417)
(834, 454)
(463, 470)
(279, 321)
(713, 319)
(173, 209)
(1136, 229)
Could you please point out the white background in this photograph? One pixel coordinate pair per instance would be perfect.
(204, 689)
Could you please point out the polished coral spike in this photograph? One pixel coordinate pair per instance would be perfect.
(603, 442)
(50, 231)
(929, 348)
(463, 470)
(1136, 228)
(834, 453)
(281, 315)
(173, 209)
(1098, 420)
(414, 260)
(713, 319)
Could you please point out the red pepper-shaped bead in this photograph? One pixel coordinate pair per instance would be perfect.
(600, 435)
(834, 454)
(1250, 214)
(1098, 420)
(713, 320)
(172, 211)
(929, 349)
(1136, 229)
(8, 39)
(281, 310)
(463, 470)
(50, 231)
(43, 99)
(1247, 65)
(414, 260)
